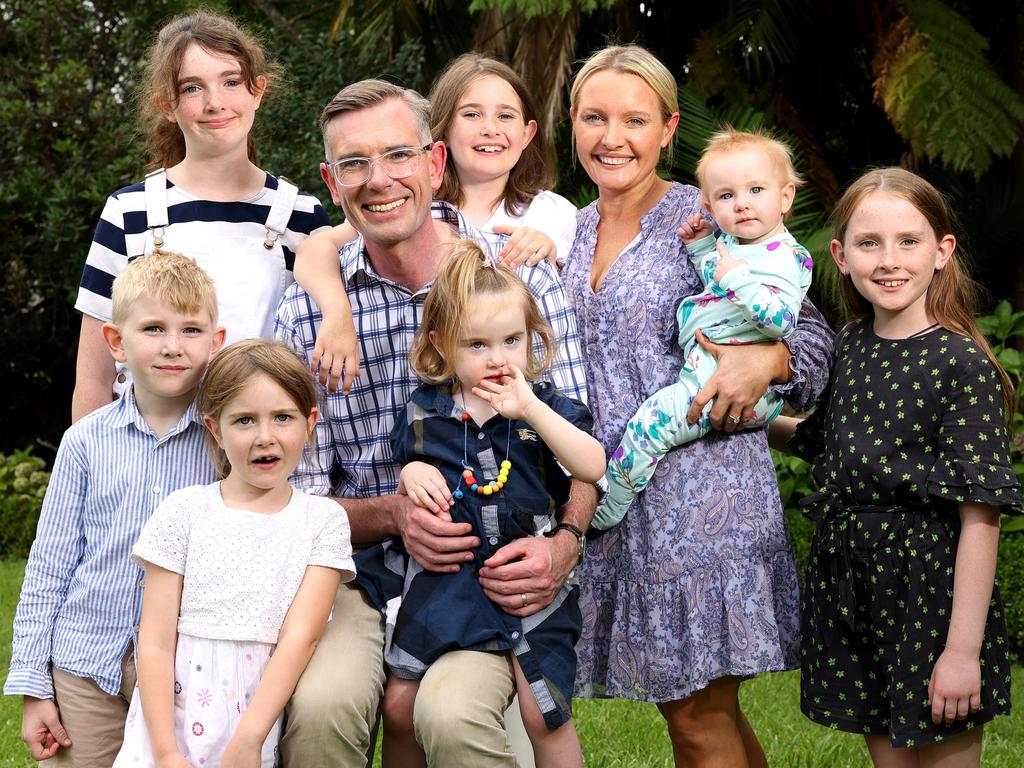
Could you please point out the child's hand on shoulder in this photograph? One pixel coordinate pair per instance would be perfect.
(525, 245)
(726, 263)
(425, 485)
(41, 728)
(694, 228)
(513, 398)
(336, 352)
(954, 690)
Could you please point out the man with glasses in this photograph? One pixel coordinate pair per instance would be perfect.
(382, 169)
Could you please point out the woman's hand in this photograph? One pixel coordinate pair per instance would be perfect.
(425, 485)
(525, 245)
(954, 690)
(336, 352)
(743, 375)
(513, 398)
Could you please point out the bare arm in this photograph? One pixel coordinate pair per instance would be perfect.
(578, 452)
(94, 372)
(316, 270)
(158, 638)
(298, 638)
(780, 431)
(955, 686)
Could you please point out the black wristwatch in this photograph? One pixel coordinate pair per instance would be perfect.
(581, 540)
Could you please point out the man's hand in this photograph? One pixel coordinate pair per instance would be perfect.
(435, 543)
(41, 728)
(525, 575)
(742, 377)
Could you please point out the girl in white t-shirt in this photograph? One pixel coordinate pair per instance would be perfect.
(496, 175)
(240, 575)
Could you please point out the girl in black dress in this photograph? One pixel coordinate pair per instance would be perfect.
(903, 637)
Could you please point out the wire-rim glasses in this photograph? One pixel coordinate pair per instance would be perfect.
(397, 163)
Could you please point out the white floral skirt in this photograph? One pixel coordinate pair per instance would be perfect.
(214, 681)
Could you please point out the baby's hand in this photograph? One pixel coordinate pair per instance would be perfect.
(336, 352)
(425, 485)
(694, 228)
(525, 245)
(726, 263)
(513, 398)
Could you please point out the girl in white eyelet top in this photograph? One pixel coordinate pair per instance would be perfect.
(240, 576)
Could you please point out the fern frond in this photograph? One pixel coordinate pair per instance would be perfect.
(941, 93)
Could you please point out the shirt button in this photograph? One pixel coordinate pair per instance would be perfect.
(493, 539)
(121, 378)
(135, 628)
(480, 436)
(157, 489)
(515, 635)
(142, 583)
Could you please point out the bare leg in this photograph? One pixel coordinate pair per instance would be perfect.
(399, 748)
(705, 727)
(559, 748)
(755, 753)
(885, 755)
(963, 751)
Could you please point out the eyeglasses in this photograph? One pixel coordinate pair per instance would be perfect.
(397, 164)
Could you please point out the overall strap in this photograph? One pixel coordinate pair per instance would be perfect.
(156, 205)
(281, 211)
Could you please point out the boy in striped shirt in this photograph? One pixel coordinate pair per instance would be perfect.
(77, 620)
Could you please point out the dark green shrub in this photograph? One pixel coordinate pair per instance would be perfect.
(23, 479)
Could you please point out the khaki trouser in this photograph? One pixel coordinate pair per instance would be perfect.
(332, 716)
(92, 717)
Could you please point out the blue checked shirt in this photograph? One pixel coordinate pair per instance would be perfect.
(82, 596)
(352, 457)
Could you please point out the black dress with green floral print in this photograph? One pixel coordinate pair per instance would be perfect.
(908, 429)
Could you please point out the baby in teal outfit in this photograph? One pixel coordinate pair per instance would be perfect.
(755, 276)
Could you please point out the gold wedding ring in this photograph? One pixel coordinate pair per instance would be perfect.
(525, 601)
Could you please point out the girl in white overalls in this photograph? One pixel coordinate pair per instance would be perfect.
(205, 79)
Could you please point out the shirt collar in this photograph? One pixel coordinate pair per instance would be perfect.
(125, 412)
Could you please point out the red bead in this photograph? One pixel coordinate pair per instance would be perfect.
(465, 416)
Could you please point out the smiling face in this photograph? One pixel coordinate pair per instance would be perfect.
(494, 338)
(747, 193)
(262, 432)
(619, 130)
(488, 132)
(215, 109)
(383, 210)
(891, 254)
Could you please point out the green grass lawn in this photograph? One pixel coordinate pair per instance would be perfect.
(623, 734)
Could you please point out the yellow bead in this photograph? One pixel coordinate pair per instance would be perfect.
(488, 490)
(506, 464)
(499, 485)
(503, 476)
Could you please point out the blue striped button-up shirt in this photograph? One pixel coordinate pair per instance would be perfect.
(353, 454)
(82, 596)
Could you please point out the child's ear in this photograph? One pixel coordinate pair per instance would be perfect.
(218, 341)
(314, 417)
(945, 251)
(165, 107)
(838, 257)
(211, 425)
(788, 193)
(114, 341)
(261, 88)
(531, 131)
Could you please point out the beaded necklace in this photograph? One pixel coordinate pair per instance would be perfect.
(467, 473)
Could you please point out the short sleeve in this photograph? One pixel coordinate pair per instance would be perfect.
(573, 411)
(164, 539)
(973, 449)
(332, 538)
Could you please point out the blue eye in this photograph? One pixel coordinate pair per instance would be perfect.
(244, 420)
(283, 417)
(756, 190)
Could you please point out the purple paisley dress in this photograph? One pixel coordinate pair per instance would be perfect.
(699, 581)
